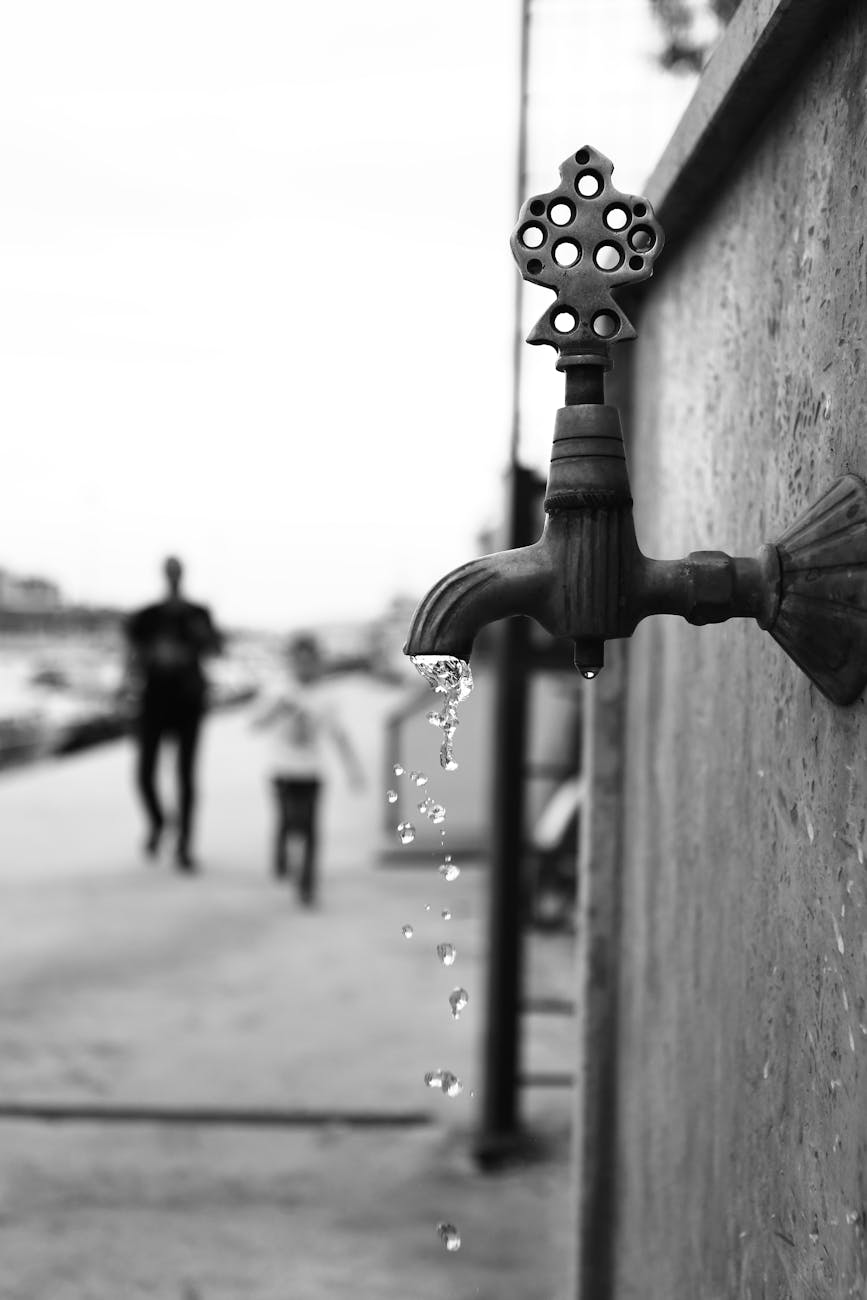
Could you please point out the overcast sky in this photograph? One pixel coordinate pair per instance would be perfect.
(256, 286)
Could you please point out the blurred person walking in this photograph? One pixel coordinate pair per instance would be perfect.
(167, 643)
(302, 718)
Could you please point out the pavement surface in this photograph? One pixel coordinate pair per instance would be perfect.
(209, 1092)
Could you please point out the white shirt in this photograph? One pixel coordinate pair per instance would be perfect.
(298, 721)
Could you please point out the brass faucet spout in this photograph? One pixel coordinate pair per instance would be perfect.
(448, 619)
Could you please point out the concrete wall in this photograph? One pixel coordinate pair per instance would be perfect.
(741, 1136)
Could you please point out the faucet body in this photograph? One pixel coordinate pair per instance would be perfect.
(586, 578)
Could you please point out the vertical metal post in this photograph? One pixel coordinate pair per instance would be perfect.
(499, 1131)
(520, 192)
(498, 1134)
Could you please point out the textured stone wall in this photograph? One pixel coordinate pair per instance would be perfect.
(742, 1130)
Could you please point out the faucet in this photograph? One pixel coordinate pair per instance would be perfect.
(586, 578)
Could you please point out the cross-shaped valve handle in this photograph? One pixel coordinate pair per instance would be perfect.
(583, 240)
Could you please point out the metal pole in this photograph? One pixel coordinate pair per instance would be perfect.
(520, 191)
(498, 1134)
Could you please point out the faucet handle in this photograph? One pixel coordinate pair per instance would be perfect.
(582, 240)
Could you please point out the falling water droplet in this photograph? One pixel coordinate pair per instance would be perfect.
(852, 1216)
(427, 907)
(426, 805)
(420, 778)
(588, 674)
(446, 914)
(406, 832)
(407, 931)
(433, 1079)
(449, 1236)
(449, 871)
(451, 1084)
(451, 763)
(458, 999)
(437, 814)
(446, 953)
(391, 796)
(398, 769)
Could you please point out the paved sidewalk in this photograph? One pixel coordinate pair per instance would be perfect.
(126, 985)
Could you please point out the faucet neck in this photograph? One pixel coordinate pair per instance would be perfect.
(588, 462)
(585, 375)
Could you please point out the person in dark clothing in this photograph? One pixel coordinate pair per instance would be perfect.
(167, 643)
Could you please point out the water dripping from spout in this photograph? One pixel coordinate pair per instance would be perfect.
(453, 678)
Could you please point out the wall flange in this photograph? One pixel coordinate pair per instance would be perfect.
(822, 619)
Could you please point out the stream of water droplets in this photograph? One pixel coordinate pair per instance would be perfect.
(452, 678)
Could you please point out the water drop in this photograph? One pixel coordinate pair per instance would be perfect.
(451, 1084)
(433, 1079)
(588, 674)
(406, 832)
(453, 678)
(852, 1216)
(427, 907)
(426, 805)
(449, 1236)
(446, 914)
(449, 871)
(420, 778)
(437, 814)
(445, 674)
(446, 953)
(458, 999)
(391, 796)
(398, 769)
(407, 931)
